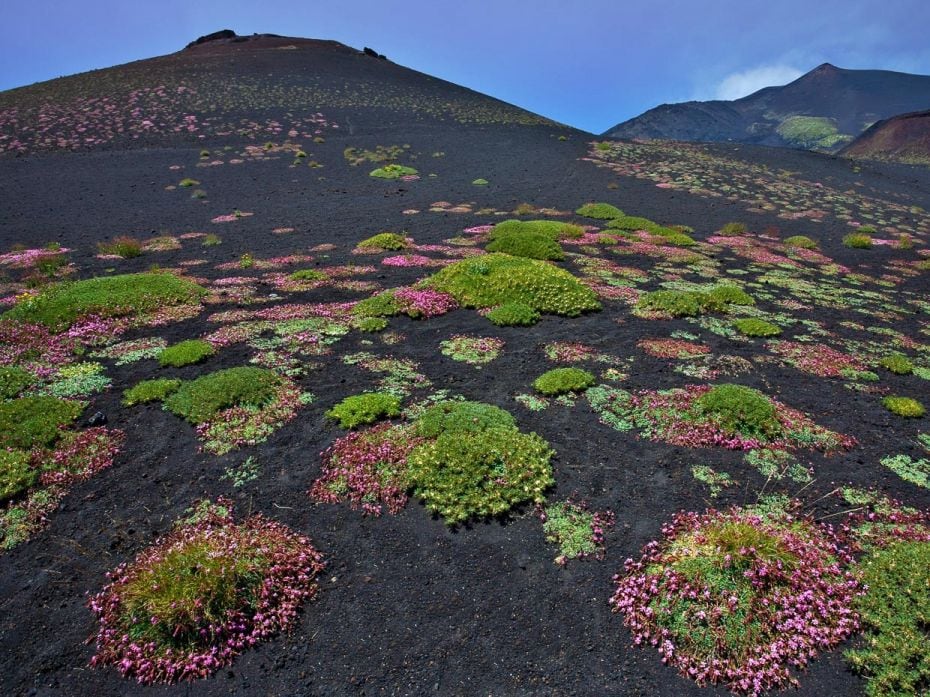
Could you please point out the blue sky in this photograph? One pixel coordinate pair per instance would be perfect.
(589, 63)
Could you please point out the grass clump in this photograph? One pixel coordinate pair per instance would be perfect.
(466, 474)
(191, 602)
(733, 229)
(529, 245)
(59, 306)
(513, 315)
(553, 229)
(199, 400)
(739, 597)
(856, 240)
(211, 240)
(392, 171)
(563, 380)
(599, 211)
(36, 421)
(186, 353)
(384, 240)
(903, 406)
(895, 614)
(16, 474)
(365, 409)
(800, 241)
(898, 364)
(150, 391)
(13, 381)
(497, 279)
(753, 326)
(124, 246)
(739, 409)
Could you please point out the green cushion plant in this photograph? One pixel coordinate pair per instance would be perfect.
(800, 241)
(364, 409)
(733, 229)
(16, 474)
(898, 364)
(553, 229)
(530, 245)
(199, 400)
(308, 275)
(28, 422)
(752, 326)
(460, 417)
(563, 380)
(389, 241)
(599, 211)
(903, 406)
(186, 353)
(150, 391)
(513, 315)
(392, 171)
(857, 241)
(740, 410)
(13, 381)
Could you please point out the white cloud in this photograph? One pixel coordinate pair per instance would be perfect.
(740, 84)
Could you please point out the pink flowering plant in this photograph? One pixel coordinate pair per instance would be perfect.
(578, 531)
(209, 590)
(739, 598)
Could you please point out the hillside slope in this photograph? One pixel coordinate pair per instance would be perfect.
(904, 139)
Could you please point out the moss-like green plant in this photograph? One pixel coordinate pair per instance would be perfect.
(513, 315)
(384, 240)
(201, 399)
(866, 229)
(529, 245)
(634, 222)
(186, 353)
(461, 416)
(364, 409)
(16, 474)
(392, 171)
(308, 275)
(28, 422)
(895, 613)
(187, 182)
(801, 241)
(14, 380)
(677, 303)
(599, 211)
(467, 474)
(910, 470)
(553, 229)
(733, 229)
(150, 391)
(856, 240)
(496, 279)
(371, 324)
(903, 406)
(739, 409)
(752, 326)
(61, 305)
(563, 380)
(898, 364)
(811, 132)
(382, 304)
(730, 295)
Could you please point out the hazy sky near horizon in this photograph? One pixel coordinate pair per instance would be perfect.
(589, 63)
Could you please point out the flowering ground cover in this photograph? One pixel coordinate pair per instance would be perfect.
(730, 380)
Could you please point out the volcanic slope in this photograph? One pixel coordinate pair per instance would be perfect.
(904, 139)
(266, 211)
(821, 110)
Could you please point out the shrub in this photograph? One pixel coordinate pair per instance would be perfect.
(392, 171)
(898, 364)
(308, 275)
(13, 380)
(739, 598)
(59, 306)
(733, 229)
(529, 245)
(124, 246)
(364, 409)
(895, 613)
(562, 380)
(191, 602)
(496, 279)
(553, 229)
(800, 241)
(466, 474)
(186, 353)
(903, 406)
(384, 240)
(201, 399)
(599, 211)
(461, 417)
(756, 327)
(16, 474)
(739, 409)
(513, 315)
(730, 295)
(150, 391)
(28, 422)
(855, 240)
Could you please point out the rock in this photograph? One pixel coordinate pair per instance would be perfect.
(98, 418)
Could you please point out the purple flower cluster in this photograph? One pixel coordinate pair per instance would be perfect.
(34, 348)
(741, 616)
(281, 577)
(366, 469)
